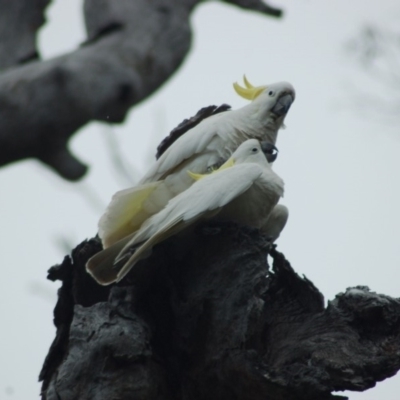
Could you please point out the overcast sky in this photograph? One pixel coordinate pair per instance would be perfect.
(339, 160)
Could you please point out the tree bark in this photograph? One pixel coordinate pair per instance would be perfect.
(132, 48)
(19, 23)
(210, 321)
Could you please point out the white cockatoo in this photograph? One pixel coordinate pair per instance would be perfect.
(212, 141)
(129, 208)
(245, 190)
(200, 150)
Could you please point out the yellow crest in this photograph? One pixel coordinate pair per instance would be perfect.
(249, 92)
(227, 164)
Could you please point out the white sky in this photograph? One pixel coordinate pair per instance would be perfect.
(340, 165)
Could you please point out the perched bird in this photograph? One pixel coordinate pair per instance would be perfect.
(244, 190)
(213, 140)
(129, 208)
(201, 149)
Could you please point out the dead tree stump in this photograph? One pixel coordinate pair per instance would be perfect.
(214, 322)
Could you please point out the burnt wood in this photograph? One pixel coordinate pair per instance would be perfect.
(212, 320)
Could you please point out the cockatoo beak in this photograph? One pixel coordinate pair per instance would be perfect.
(283, 104)
(270, 151)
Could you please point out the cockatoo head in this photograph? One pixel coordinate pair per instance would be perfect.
(276, 98)
(250, 151)
(254, 151)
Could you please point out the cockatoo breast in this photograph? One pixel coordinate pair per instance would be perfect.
(254, 122)
(257, 202)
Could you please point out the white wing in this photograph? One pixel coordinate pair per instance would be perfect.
(203, 199)
(193, 142)
(208, 194)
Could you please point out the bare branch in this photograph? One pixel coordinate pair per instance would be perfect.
(19, 23)
(133, 47)
(257, 5)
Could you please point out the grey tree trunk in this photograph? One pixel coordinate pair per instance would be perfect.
(214, 322)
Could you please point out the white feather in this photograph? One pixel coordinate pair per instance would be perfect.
(246, 193)
(216, 137)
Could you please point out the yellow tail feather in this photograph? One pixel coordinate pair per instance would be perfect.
(124, 214)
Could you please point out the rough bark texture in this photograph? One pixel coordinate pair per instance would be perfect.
(132, 48)
(214, 322)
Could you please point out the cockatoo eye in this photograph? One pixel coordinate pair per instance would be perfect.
(271, 93)
(254, 149)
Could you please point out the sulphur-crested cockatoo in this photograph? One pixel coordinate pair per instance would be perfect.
(212, 141)
(129, 208)
(245, 190)
(200, 150)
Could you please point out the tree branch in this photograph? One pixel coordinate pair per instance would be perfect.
(257, 5)
(133, 47)
(211, 321)
(19, 23)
